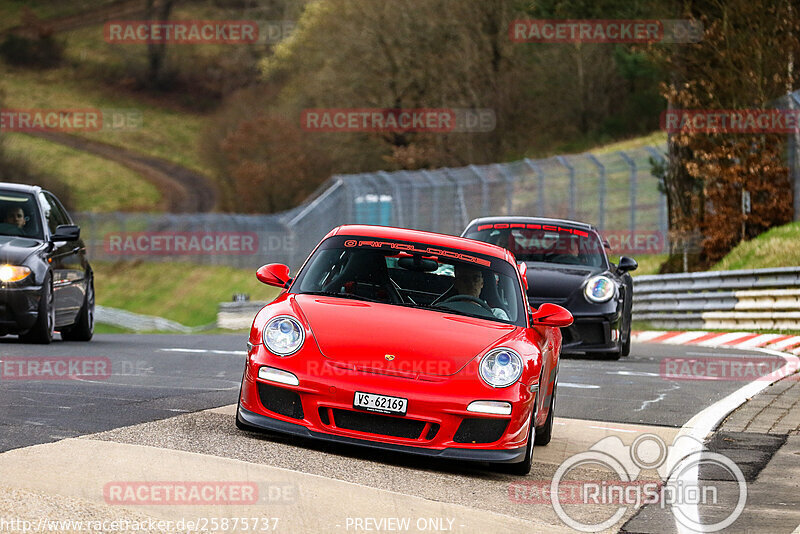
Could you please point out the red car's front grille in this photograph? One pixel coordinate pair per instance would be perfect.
(382, 425)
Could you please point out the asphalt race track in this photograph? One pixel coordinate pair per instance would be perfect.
(165, 412)
(159, 376)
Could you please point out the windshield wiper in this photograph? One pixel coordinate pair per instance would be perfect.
(340, 295)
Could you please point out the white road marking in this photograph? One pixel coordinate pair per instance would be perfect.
(579, 386)
(763, 339)
(703, 423)
(631, 373)
(207, 351)
(722, 339)
(681, 339)
(785, 343)
(643, 337)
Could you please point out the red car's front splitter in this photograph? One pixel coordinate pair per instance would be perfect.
(436, 425)
(476, 455)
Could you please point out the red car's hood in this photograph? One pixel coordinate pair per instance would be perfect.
(397, 339)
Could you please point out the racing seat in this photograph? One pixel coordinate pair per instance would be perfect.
(365, 275)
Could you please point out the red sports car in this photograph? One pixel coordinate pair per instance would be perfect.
(407, 341)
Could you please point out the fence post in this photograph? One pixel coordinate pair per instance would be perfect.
(435, 204)
(484, 190)
(573, 189)
(794, 157)
(601, 191)
(631, 189)
(397, 203)
(663, 223)
(540, 206)
(509, 187)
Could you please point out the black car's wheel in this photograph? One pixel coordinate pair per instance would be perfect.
(83, 329)
(626, 343)
(42, 330)
(524, 467)
(545, 432)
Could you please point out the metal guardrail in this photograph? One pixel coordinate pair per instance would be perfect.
(763, 299)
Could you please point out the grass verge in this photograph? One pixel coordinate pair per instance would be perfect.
(182, 292)
(97, 184)
(778, 247)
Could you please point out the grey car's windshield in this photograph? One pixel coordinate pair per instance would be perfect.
(559, 245)
(19, 215)
(414, 275)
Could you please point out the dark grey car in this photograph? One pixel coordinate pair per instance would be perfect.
(46, 282)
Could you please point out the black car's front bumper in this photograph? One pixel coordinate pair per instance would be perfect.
(19, 308)
(474, 455)
(592, 334)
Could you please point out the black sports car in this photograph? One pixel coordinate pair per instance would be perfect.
(46, 282)
(567, 265)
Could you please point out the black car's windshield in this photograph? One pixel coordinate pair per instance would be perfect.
(414, 275)
(19, 214)
(556, 244)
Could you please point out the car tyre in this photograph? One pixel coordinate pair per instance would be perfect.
(524, 467)
(545, 432)
(625, 349)
(42, 330)
(83, 329)
(241, 425)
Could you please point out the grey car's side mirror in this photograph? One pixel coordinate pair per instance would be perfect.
(66, 232)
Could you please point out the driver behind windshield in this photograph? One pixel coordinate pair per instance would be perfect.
(469, 281)
(15, 216)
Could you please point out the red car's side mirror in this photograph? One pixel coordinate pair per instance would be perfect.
(274, 274)
(551, 315)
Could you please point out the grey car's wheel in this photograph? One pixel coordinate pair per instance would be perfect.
(83, 329)
(42, 330)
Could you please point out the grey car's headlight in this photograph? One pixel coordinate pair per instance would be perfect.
(599, 289)
(501, 367)
(283, 335)
(13, 273)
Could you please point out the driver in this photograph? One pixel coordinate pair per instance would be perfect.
(469, 281)
(15, 216)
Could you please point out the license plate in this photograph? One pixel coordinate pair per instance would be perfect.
(380, 403)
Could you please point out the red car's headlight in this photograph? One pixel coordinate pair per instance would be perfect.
(501, 367)
(283, 335)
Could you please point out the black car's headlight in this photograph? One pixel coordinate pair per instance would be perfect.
(599, 289)
(501, 367)
(283, 335)
(13, 273)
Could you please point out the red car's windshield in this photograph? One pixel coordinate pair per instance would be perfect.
(444, 280)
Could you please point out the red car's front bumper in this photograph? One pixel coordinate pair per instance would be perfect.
(436, 423)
